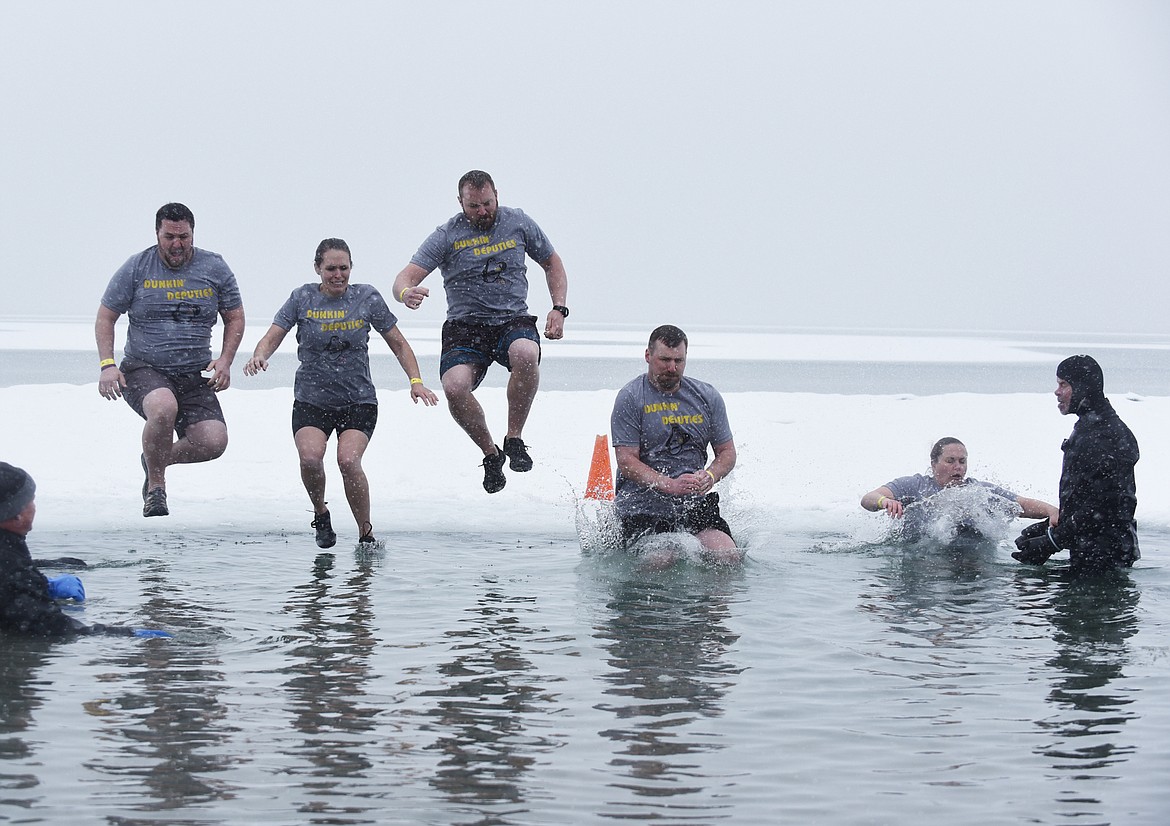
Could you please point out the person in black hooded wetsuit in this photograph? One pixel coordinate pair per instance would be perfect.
(1098, 493)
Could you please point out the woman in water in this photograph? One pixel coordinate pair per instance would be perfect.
(948, 470)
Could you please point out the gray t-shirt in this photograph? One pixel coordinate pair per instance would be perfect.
(671, 431)
(915, 492)
(333, 343)
(172, 312)
(484, 272)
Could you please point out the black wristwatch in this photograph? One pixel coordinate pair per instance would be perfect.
(562, 310)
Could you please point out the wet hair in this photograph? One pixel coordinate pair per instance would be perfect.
(940, 445)
(669, 335)
(173, 211)
(476, 179)
(331, 244)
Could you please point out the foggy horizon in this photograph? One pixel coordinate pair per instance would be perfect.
(788, 165)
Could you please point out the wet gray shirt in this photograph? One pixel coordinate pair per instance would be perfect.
(911, 489)
(484, 272)
(915, 491)
(671, 431)
(172, 312)
(333, 337)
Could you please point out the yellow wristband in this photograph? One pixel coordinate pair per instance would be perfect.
(401, 300)
(881, 502)
(106, 363)
(416, 381)
(709, 473)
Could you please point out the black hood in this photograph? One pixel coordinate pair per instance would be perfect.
(1087, 380)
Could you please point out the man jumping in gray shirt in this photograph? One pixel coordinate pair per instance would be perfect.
(172, 293)
(481, 253)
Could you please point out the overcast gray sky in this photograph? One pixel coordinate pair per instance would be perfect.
(937, 165)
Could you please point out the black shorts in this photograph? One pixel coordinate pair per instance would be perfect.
(196, 398)
(363, 417)
(466, 342)
(694, 518)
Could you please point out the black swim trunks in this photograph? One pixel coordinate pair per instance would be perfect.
(363, 417)
(694, 517)
(466, 342)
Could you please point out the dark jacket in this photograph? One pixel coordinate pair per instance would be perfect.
(1098, 494)
(25, 605)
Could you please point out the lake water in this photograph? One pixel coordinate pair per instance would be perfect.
(517, 674)
(460, 678)
(1143, 371)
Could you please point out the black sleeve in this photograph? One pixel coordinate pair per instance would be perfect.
(1097, 501)
(26, 607)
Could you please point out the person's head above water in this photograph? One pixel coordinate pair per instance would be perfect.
(1080, 384)
(17, 499)
(948, 461)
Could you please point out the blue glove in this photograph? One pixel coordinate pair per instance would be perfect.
(150, 632)
(66, 586)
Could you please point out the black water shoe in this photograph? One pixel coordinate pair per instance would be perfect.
(493, 472)
(517, 453)
(326, 538)
(155, 503)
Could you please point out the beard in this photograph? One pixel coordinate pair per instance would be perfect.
(176, 260)
(484, 222)
(665, 383)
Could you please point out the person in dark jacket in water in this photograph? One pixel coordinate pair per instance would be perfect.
(28, 604)
(1098, 493)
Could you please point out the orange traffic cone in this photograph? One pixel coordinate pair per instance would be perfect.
(600, 484)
